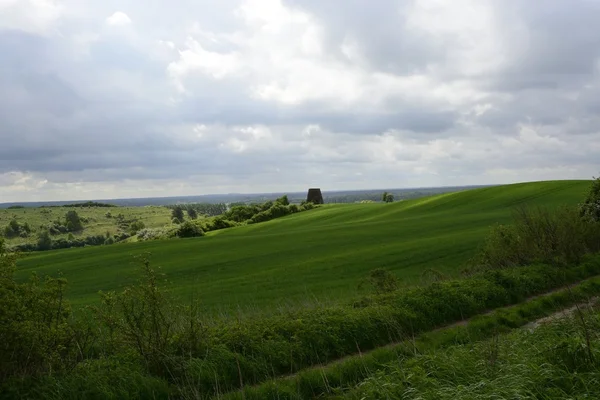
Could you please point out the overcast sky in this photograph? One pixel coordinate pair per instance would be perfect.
(136, 98)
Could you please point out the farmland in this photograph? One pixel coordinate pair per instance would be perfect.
(316, 256)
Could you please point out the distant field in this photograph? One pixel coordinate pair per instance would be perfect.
(320, 254)
(99, 223)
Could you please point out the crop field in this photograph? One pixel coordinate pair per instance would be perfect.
(315, 256)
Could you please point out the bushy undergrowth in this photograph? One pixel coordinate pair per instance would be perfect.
(549, 362)
(559, 237)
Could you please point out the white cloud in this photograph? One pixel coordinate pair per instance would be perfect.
(118, 18)
(33, 16)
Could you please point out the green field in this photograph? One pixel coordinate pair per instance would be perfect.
(321, 254)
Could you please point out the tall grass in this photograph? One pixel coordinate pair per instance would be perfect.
(549, 362)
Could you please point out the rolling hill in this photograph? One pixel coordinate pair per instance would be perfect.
(316, 255)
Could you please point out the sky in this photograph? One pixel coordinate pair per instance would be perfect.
(143, 98)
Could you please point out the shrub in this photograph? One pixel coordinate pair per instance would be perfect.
(538, 235)
(73, 222)
(15, 229)
(44, 241)
(151, 234)
(189, 229)
(142, 317)
(35, 334)
(136, 226)
(590, 208)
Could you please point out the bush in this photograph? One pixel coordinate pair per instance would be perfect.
(538, 235)
(189, 229)
(136, 226)
(73, 222)
(151, 234)
(590, 209)
(44, 241)
(36, 337)
(15, 229)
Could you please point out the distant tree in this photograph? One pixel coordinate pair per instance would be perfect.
(177, 214)
(192, 213)
(384, 196)
(283, 200)
(44, 241)
(73, 222)
(387, 197)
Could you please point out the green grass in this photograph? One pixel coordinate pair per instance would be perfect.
(320, 254)
(351, 371)
(99, 224)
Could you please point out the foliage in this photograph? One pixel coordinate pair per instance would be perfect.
(89, 204)
(15, 229)
(387, 197)
(207, 209)
(189, 229)
(15, 207)
(177, 215)
(537, 234)
(152, 234)
(283, 200)
(35, 335)
(73, 222)
(590, 208)
(192, 213)
(136, 226)
(141, 317)
(44, 241)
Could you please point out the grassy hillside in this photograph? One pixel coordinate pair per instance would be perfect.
(98, 221)
(320, 254)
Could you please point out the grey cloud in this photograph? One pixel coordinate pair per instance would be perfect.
(112, 112)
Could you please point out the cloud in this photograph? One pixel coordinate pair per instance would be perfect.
(259, 95)
(119, 18)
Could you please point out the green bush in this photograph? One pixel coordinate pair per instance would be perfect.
(189, 229)
(15, 229)
(44, 241)
(538, 235)
(35, 334)
(590, 209)
(136, 226)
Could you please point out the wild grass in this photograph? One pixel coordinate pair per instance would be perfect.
(349, 372)
(549, 362)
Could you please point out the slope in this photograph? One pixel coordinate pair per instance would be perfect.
(320, 254)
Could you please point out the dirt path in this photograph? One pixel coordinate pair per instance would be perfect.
(567, 312)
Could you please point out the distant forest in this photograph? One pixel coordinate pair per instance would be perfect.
(342, 196)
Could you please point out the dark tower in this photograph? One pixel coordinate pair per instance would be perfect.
(314, 196)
